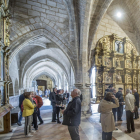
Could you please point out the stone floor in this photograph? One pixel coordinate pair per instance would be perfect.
(90, 129)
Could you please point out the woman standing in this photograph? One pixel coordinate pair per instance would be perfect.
(28, 110)
(59, 101)
(107, 118)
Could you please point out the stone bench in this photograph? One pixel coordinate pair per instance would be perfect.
(14, 101)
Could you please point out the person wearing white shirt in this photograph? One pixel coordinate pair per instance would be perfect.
(129, 107)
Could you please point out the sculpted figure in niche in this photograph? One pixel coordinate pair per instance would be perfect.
(135, 64)
(107, 78)
(107, 61)
(106, 44)
(119, 78)
(119, 47)
(129, 79)
(118, 63)
(99, 61)
(129, 64)
(135, 79)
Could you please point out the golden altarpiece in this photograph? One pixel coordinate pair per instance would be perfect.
(116, 62)
(5, 107)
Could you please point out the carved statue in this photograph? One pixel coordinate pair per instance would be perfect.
(135, 79)
(129, 64)
(107, 78)
(107, 61)
(119, 47)
(99, 61)
(118, 62)
(106, 44)
(119, 78)
(129, 80)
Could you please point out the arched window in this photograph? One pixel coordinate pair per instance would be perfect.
(93, 86)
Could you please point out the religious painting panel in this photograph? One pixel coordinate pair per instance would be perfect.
(119, 46)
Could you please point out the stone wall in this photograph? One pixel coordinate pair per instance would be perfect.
(107, 27)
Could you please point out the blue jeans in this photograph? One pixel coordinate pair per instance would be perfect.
(106, 135)
(20, 117)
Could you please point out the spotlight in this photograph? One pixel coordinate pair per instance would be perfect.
(119, 14)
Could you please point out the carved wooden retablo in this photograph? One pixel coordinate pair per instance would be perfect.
(116, 62)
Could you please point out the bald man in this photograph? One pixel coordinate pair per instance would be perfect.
(136, 103)
(72, 115)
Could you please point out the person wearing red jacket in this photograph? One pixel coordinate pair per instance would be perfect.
(39, 104)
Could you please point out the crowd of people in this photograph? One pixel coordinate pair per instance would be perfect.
(111, 109)
(30, 104)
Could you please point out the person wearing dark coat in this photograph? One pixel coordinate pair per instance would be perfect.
(52, 98)
(114, 110)
(59, 103)
(72, 115)
(136, 114)
(119, 95)
(21, 98)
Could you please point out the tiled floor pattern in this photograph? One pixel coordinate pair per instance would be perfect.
(90, 129)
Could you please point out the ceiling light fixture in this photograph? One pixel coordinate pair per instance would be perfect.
(119, 14)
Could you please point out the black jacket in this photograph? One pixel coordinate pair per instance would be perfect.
(119, 95)
(21, 98)
(59, 99)
(64, 100)
(53, 98)
(137, 99)
(72, 114)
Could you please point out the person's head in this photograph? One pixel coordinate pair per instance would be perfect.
(108, 96)
(66, 91)
(110, 86)
(114, 91)
(27, 95)
(58, 91)
(130, 91)
(33, 94)
(62, 91)
(127, 91)
(75, 93)
(120, 89)
(55, 90)
(134, 90)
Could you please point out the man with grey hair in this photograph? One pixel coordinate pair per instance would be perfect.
(72, 115)
(129, 107)
(136, 103)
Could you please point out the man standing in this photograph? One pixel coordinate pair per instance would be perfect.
(52, 98)
(72, 115)
(114, 110)
(136, 103)
(40, 103)
(21, 98)
(129, 106)
(119, 95)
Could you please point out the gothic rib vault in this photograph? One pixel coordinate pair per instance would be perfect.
(56, 37)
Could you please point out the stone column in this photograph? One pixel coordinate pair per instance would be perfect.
(85, 91)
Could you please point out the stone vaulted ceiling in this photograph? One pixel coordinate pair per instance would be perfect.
(56, 36)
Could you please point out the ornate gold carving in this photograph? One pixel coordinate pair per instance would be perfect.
(106, 44)
(118, 78)
(119, 66)
(118, 62)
